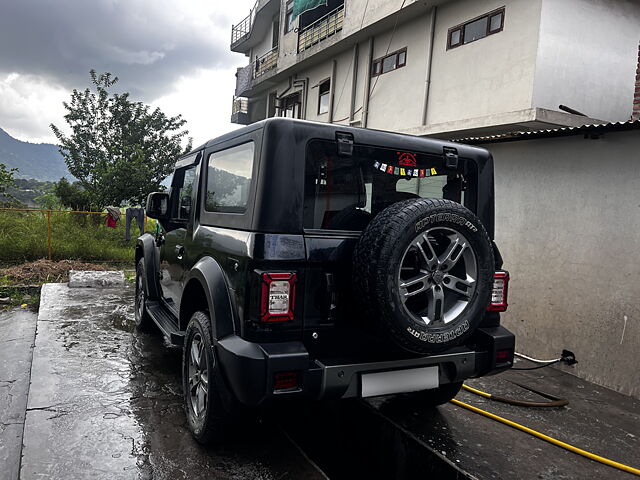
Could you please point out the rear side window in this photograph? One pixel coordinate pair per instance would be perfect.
(229, 178)
(345, 193)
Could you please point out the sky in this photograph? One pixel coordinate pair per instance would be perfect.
(172, 54)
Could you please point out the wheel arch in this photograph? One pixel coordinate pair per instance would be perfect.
(146, 249)
(206, 288)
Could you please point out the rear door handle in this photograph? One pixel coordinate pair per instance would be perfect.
(179, 252)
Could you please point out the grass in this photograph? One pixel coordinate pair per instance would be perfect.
(12, 297)
(85, 237)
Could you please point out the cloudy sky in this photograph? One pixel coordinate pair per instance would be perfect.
(173, 54)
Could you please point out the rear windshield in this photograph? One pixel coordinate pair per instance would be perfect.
(345, 193)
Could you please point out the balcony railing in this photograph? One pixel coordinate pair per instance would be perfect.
(321, 29)
(240, 105)
(242, 29)
(240, 111)
(266, 62)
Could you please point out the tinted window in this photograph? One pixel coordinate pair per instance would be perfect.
(186, 193)
(495, 23)
(345, 193)
(229, 178)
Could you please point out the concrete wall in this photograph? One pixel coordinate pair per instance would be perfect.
(587, 56)
(567, 220)
(491, 75)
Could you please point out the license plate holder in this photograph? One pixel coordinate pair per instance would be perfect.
(399, 381)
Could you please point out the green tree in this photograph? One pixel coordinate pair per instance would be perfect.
(73, 195)
(6, 182)
(119, 150)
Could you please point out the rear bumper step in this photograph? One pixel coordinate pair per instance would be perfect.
(250, 368)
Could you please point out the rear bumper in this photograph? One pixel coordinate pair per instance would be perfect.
(250, 368)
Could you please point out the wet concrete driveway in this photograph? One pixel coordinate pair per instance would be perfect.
(105, 402)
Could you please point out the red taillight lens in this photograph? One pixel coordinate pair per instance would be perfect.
(499, 293)
(285, 381)
(503, 356)
(278, 297)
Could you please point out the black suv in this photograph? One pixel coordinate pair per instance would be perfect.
(300, 260)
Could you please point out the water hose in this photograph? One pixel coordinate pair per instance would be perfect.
(546, 438)
(554, 401)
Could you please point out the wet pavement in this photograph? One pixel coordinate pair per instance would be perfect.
(105, 402)
(17, 334)
(597, 419)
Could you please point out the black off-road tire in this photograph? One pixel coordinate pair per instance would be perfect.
(437, 396)
(213, 424)
(377, 258)
(144, 322)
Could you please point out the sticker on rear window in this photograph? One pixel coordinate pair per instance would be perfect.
(404, 172)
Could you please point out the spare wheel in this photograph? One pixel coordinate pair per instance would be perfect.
(423, 270)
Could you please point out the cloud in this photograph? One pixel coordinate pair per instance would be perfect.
(147, 43)
(48, 47)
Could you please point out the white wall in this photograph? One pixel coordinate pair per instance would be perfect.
(587, 56)
(567, 217)
(492, 75)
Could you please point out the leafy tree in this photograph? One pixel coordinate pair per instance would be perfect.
(73, 195)
(6, 182)
(119, 150)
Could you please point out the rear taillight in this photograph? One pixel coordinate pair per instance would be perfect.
(499, 293)
(278, 297)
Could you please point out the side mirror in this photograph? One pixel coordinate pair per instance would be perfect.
(158, 205)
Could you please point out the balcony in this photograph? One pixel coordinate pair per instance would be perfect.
(240, 111)
(265, 63)
(321, 29)
(254, 27)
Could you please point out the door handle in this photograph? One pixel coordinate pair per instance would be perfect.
(179, 252)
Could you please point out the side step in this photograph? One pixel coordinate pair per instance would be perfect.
(166, 322)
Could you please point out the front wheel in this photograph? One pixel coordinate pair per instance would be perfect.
(144, 322)
(206, 411)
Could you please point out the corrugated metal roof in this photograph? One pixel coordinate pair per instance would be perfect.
(587, 130)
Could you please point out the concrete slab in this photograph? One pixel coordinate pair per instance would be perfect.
(597, 419)
(17, 336)
(93, 279)
(106, 403)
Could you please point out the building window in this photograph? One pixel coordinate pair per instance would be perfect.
(323, 96)
(390, 62)
(290, 106)
(480, 27)
(288, 17)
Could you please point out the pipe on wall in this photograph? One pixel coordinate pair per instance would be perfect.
(354, 83)
(427, 80)
(367, 85)
(332, 84)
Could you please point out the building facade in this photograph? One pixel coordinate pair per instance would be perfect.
(449, 68)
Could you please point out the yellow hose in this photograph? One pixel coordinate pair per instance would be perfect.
(542, 436)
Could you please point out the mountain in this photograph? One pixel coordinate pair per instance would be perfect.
(41, 161)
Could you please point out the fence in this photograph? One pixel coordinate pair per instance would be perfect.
(29, 234)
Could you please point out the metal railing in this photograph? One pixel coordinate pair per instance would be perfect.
(240, 105)
(321, 29)
(242, 29)
(266, 62)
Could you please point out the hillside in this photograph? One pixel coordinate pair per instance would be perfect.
(40, 161)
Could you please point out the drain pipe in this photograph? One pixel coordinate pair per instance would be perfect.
(427, 81)
(367, 86)
(332, 84)
(354, 83)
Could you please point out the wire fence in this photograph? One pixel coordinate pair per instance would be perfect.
(29, 234)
